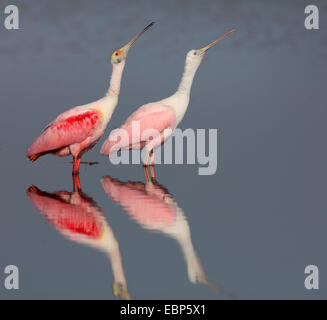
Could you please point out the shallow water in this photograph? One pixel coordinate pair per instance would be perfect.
(246, 232)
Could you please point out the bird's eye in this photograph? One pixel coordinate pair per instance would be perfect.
(116, 54)
(194, 53)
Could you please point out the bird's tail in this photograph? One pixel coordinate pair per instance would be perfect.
(34, 157)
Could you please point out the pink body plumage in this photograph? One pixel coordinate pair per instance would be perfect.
(72, 132)
(148, 204)
(150, 120)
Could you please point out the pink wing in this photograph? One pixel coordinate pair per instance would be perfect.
(67, 129)
(147, 209)
(68, 218)
(153, 116)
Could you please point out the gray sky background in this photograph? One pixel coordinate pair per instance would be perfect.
(255, 225)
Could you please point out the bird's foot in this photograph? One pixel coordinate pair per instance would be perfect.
(90, 163)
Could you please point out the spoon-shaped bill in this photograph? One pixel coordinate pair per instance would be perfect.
(130, 43)
(207, 47)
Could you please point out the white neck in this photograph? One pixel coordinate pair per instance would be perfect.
(194, 268)
(116, 75)
(117, 266)
(187, 77)
(111, 247)
(182, 234)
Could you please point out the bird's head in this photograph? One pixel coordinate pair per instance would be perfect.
(195, 56)
(121, 54)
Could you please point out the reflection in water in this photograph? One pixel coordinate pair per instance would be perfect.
(155, 209)
(77, 216)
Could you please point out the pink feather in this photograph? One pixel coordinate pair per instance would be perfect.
(67, 129)
(152, 116)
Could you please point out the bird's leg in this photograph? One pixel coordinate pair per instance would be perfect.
(153, 174)
(74, 166)
(76, 163)
(76, 183)
(145, 168)
(152, 157)
(146, 159)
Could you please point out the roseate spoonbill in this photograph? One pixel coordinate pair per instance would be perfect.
(77, 130)
(77, 217)
(151, 206)
(157, 120)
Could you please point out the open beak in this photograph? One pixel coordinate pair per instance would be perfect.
(204, 49)
(127, 46)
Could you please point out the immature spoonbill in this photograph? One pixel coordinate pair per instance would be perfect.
(77, 130)
(152, 206)
(157, 120)
(155, 209)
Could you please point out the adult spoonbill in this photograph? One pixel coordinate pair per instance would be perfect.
(77, 130)
(157, 120)
(77, 217)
